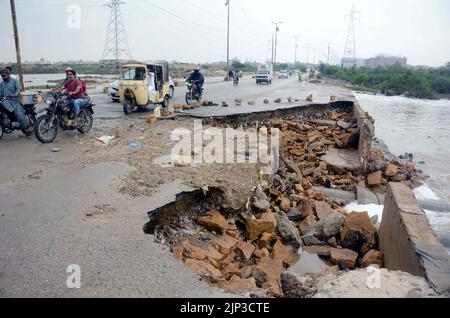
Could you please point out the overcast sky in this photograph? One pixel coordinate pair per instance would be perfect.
(195, 30)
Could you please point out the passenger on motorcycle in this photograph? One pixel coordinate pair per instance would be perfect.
(197, 78)
(75, 91)
(10, 87)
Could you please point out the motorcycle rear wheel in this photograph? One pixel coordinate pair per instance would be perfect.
(189, 98)
(42, 131)
(86, 121)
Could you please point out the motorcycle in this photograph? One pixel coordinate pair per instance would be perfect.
(59, 114)
(193, 93)
(235, 80)
(8, 121)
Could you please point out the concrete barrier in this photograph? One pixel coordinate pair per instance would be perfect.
(409, 243)
(366, 135)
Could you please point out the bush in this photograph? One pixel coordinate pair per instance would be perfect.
(396, 79)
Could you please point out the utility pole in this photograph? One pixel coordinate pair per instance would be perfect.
(269, 51)
(296, 37)
(227, 3)
(307, 52)
(328, 55)
(273, 47)
(16, 39)
(276, 41)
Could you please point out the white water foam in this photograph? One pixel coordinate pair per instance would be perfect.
(424, 192)
(371, 209)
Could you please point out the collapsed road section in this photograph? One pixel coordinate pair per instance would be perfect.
(295, 236)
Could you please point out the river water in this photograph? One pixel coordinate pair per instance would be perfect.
(42, 79)
(420, 127)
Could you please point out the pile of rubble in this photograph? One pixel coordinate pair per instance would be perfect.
(287, 215)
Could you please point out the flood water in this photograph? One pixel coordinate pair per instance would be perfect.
(420, 127)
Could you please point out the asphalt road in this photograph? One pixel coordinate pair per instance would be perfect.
(247, 90)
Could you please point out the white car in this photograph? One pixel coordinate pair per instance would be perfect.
(283, 74)
(113, 91)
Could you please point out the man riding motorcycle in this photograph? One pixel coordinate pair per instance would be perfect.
(75, 91)
(197, 78)
(10, 87)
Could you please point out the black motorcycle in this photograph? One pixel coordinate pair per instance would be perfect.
(8, 121)
(59, 114)
(193, 92)
(236, 80)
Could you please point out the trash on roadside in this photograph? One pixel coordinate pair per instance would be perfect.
(290, 99)
(278, 100)
(252, 103)
(56, 149)
(157, 112)
(166, 113)
(106, 139)
(309, 98)
(134, 144)
(238, 102)
(180, 162)
(224, 104)
(151, 119)
(266, 101)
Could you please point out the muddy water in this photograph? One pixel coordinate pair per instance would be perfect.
(420, 127)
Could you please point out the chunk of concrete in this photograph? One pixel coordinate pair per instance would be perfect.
(366, 196)
(342, 160)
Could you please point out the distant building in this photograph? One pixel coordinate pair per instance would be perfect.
(377, 61)
(349, 62)
(381, 60)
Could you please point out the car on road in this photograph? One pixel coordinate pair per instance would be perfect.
(283, 74)
(263, 76)
(113, 91)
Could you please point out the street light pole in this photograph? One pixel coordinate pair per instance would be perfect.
(228, 36)
(296, 37)
(307, 52)
(276, 41)
(16, 39)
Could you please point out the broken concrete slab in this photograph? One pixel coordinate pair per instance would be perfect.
(336, 194)
(367, 196)
(342, 160)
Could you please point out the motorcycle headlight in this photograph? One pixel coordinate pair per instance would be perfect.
(49, 100)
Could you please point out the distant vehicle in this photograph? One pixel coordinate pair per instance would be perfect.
(113, 91)
(263, 76)
(283, 74)
(144, 84)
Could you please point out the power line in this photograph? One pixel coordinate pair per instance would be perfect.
(181, 18)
